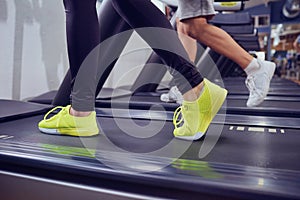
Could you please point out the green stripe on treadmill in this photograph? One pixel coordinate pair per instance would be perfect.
(72, 151)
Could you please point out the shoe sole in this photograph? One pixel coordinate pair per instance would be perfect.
(197, 136)
(68, 132)
(217, 104)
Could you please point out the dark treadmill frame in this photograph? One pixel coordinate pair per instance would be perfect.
(85, 172)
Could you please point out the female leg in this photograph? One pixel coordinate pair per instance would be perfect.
(140, 15)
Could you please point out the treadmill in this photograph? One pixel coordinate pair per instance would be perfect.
(256, 161)
(139, 162)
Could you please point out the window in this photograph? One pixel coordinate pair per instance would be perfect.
(261, 21)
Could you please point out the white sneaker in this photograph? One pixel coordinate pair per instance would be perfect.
(258, 82)
(174, 95)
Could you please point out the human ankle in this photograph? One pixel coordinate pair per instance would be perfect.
(76, 113)
(252, 67)
(194, 93)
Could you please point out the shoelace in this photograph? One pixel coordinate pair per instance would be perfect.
(53, 109)
(176, 115)
(252, 87)
(250, 84)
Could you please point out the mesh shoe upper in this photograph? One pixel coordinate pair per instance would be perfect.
(258, 83)
(63, 123)
(197, 115)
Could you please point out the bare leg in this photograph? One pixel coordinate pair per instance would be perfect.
(215, 38)
(259, 73)
(194, 93)
(188, 43)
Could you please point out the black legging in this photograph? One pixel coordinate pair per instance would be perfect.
(83, 36)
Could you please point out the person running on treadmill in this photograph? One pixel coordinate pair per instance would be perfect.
(193, 17)
(202, 99)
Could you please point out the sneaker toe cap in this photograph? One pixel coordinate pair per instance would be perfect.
(41, 124)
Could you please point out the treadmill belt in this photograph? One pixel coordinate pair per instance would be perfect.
(274, 82)
(11, 109)
(290, 105)
(250, 146)
(282, 93)
(268, 108)
(286, 107)
(277, 89)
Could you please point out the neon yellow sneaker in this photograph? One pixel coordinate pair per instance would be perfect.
(197, 115)
(65, 124)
